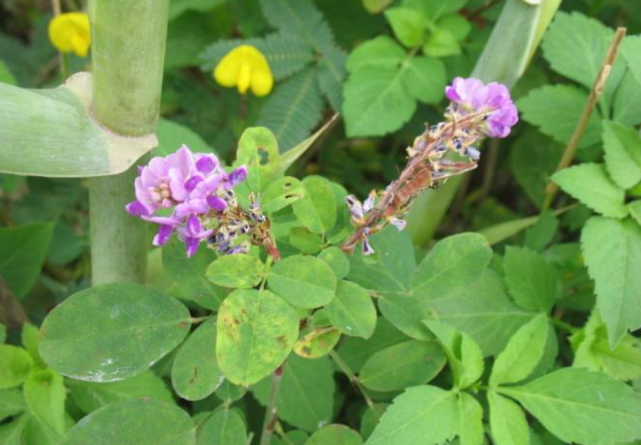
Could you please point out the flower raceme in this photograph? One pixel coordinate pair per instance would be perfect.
(188, 193)
(245, 67)
(442, 151)
(69, 33)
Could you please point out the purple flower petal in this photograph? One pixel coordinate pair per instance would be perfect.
(136, 208)
(216, 203)
(206, 163)
(163, 235)
(237, 176)
(191, 246)
(192, 182)
(367, 248)
(398, 223)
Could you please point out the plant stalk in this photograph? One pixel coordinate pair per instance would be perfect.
(271, 413)
(590, 105)
(129, 39)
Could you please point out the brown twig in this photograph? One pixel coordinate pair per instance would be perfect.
(590, 105)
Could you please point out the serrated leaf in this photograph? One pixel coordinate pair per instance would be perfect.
(590, 184)
(317, 209)
(376, 101)
(134, 422)
(634, 208)
(89, 396)
(424, 78)
(293, 109)
(542, 232)
(403, 365)
(408, 25)
(612, 251)
(23, 250)
(441, 43)
(225, 427)
(195, 373)
(236, 271)
(471, 420)
(522, 354)
(45, 396)
(576, 45)
(463, 353)
(335, 435)
(11, 403)
(507, 421)
(423, 415)
(15, 366)
(303, 281)
(577, 405)
(111, 332)
(626, 106)
(352, 310)
(631, 50)
(306, 397)
(556, 109)
(379, 52)
(531, 279)
(30, 337)
(622, 146)
(256, 331)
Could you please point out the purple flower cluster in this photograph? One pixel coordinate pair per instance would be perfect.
(183, 193)
(473, 96)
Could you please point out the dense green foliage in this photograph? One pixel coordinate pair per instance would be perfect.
(518, 324)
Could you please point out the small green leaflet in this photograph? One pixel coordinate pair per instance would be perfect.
(303, 281)
(531, 279)
(507, 421)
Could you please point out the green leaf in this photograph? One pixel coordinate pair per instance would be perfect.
(403, 365)
(522, 354)
(380, 52)
(281, 193)
(463, 353)
(507, 421)
(178, 7)
(423, 415)
(89, 396)
(23, 250)
(189, 274)
(286, 54)
(376, 101)
(111, 332)
(318, 342)
(577, 405)
(303, 281)
(305, 241)
(453, 263)
(556, 109)
(626, 106)
(408, 25)
(337, 260)
(531, 279)
(11, 403)
(11, 433)
(424, 78)
(258, 150)
(5, 74)
(195, 373)
(294, 109)
(590, 184)
(593, 351)
(317, 209)
(542, 232)
(622, 146)
(331, 75)
(612, 251)
(456, 24)
(228, 392)
(256, 332)
(581, 59)
(45, 395)
(306, 397)
(30, 337)
(434, 9)
(483, 310)
(335, 435)
(225, 427)
(172, 135)
(471, 420)
(352, 310)
(15, 366)
(287, 159)
(134, 422)
(236, 271)
(3, 333)
(631, 51)
(634, 208)
(441, 43)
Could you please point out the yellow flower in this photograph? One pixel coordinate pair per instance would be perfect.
(245, 67)
(69, 32)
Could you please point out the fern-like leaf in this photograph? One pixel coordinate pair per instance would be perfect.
(331, 74)
(294, 109)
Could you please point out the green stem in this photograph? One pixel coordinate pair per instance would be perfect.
(563, 325)
(353, 379)
(271, 413)
(128, 50)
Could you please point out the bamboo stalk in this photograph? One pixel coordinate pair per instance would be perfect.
(128, 51)
(590, 105)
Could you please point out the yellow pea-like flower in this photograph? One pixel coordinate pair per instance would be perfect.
(69, 32)
(245, 67)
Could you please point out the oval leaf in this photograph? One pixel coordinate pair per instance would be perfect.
(111, 332)
(236, 271)
(352, 310)
(303, 281)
